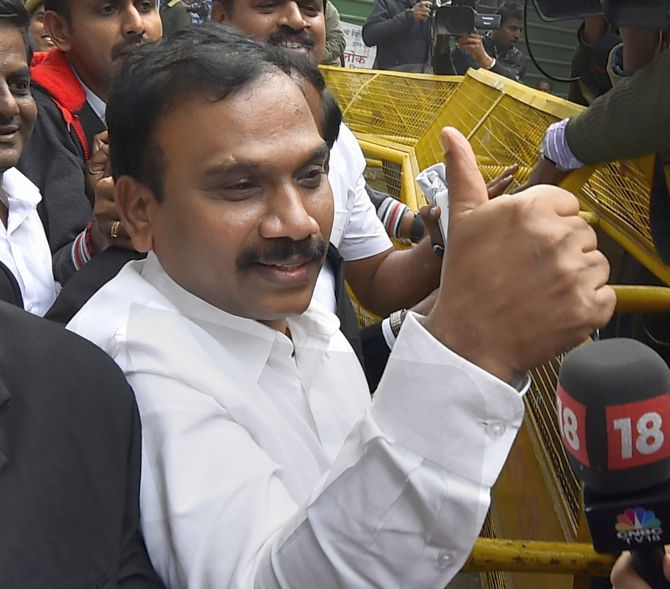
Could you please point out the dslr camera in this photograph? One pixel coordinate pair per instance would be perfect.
(460, 18)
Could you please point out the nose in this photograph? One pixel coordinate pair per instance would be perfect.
(287, 216)
(292, 17)
(133, 23)
(9, 107)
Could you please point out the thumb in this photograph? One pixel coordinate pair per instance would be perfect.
(467, 189)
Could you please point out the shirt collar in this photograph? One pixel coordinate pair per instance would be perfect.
(254, 341)
(19, 195)
(94, 101)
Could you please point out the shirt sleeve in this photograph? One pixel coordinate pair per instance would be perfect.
(358, 233)
(401, 504)
(624, 123)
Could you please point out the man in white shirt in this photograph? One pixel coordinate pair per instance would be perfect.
(265, 463)
(382, 278)
(23, 244)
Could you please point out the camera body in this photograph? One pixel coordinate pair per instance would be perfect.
(463, 20)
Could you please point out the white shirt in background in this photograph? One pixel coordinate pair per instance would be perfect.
(23, 244)
(357, 231)
(265, 464)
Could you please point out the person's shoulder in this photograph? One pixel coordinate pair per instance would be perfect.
(108, 310)
(346, 147)
(38, 350)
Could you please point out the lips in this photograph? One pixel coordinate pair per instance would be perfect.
(294, 46)
(8, 133)
(292, 271)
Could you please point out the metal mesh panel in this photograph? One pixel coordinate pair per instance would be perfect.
(389, 105)
(561, 480)
(505, 123)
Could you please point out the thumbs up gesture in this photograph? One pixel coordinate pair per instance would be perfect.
(522, 279)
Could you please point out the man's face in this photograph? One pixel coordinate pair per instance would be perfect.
(509, 33)
(17, 107)
(100, 34)
(38, 34)
(295, 24)
(247, 209)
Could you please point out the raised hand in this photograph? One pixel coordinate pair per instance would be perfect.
(522, 280)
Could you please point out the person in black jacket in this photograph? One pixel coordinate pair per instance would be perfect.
(70, 85)
(69, 460)
(401, 31)
(497, 50)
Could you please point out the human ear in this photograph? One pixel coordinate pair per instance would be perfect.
(218, 12)
(59, 30)
(134, 201)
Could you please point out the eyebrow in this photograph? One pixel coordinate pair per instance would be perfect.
(320, 153)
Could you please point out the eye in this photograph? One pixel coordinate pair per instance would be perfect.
(21, 87)
(240, 190)
(107, 9)
(146, 6)
(311, 8)
(313, 176)
(267, 6)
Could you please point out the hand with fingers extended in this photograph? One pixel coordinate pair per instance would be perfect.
(108, 229)
(623, 574)
(522, 280)
(502, 181)
(98, 165)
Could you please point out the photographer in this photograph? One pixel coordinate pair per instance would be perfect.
(401, 31)
(496, 50)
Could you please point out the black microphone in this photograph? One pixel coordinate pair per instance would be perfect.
(613, 405)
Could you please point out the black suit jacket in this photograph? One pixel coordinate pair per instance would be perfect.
(69, 463)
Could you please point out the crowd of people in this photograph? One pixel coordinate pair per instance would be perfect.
(189, 206)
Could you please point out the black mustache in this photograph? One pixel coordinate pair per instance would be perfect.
(281, 250)
(287, 34)
(122, 49)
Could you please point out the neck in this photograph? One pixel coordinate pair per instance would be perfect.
(98, 88)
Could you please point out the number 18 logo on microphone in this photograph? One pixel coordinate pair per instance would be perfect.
(638, 433)
(572, 423)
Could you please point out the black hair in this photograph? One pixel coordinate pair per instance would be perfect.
(15, 13)
(510, 11)
(210, 60)
(58, 6)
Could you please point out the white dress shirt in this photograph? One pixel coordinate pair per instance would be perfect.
(265, 463)
(357, 231)
(23, 244)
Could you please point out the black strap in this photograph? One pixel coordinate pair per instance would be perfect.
(344, 310)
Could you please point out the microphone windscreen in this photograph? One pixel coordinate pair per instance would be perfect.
(613, 403)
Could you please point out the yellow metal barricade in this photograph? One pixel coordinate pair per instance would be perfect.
(397, 118)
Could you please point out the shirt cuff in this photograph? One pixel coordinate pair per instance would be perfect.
(556, 149)
(387, 332)
(446, 409)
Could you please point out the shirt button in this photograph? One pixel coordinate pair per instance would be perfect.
(495, 430)
(443, 560)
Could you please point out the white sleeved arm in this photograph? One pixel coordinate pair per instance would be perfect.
(357, 231)
(400, 506)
